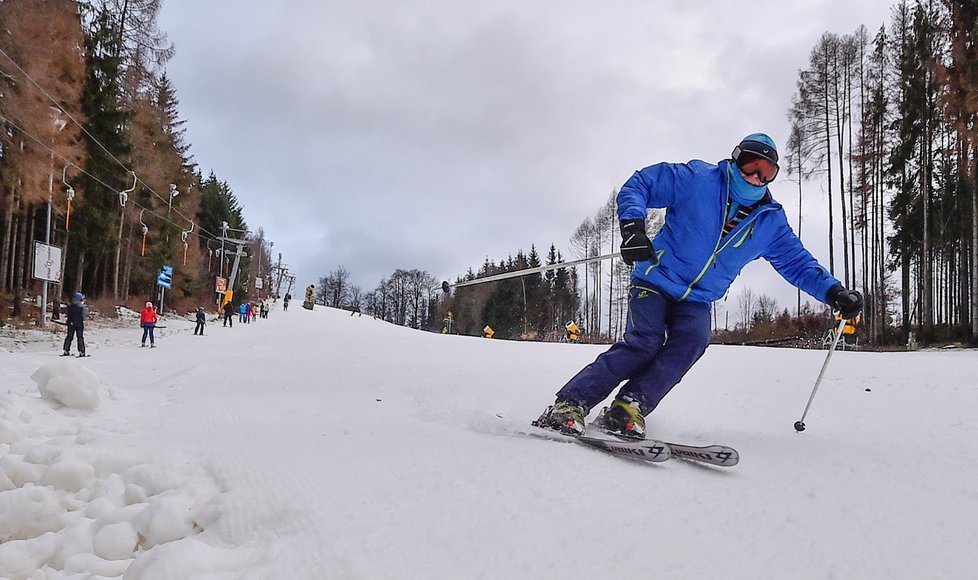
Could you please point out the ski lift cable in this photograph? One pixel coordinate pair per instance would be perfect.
(82, 127)
(123, 194)
(81, 170)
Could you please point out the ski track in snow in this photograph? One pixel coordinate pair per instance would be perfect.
(318, 445)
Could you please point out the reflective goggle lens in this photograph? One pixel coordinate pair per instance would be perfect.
(763, 168)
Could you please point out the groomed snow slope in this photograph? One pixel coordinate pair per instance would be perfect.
(323, 446)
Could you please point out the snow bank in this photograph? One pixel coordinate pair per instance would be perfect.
(68, 383)
(74, 503)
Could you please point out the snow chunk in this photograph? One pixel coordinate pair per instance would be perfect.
(192, 558)
(168, 518)
(5, 482)
(116, 541)
(91, 566)
(10, 432)
(29, 512)
(70, 475)
(20, 472)
(20, 559)
(68, 383)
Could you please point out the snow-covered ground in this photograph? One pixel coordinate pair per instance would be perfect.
(319, 445)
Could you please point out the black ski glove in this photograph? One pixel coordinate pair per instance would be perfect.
(635, 245)
(849, 303)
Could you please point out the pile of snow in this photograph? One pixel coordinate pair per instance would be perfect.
(125, 312)
(13, 339)
(74, 501)
(72, 385)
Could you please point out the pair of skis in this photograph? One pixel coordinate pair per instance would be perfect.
(650, 450)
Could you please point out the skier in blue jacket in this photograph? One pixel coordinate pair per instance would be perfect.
(718, 218)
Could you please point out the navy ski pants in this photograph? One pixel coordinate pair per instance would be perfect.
(663, 338)
(148, 330)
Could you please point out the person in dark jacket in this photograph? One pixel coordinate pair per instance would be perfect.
(201, 318)
(229, 314)
(76, 324)
(719, 218)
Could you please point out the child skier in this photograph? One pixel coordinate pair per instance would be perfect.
(148, 320)
(76, 324)
(201, 319)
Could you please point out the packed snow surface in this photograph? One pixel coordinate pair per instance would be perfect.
(319, 445)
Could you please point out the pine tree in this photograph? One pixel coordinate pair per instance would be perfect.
(107, 152)
(40, 91)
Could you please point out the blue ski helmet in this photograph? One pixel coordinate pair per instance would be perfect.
(758, 144)
(78, 297)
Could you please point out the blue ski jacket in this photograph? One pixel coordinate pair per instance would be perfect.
(694, 260)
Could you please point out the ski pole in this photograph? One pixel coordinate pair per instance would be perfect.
(446, 286)
(800, 424)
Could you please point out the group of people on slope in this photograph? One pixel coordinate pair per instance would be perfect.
(76, 313)
(246, 312)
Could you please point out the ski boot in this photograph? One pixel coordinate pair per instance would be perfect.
(82, 355)
(563, 416)
(66, 353)
(623, 419)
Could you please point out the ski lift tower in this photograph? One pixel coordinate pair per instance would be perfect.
(237, 256)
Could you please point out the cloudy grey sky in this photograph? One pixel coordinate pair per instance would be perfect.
(432, 134)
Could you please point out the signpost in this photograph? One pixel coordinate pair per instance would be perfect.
(47, 262)
(220, 288)
(164, 280)
(47, 267)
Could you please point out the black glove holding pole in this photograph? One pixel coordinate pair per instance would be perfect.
(849, 303)
(635, 243)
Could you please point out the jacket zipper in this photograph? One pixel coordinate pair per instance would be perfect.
(718, 248)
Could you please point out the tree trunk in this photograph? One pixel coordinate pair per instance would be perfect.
(828, 158)
(840, 123)
(6, 257)
(80, 276)
(927, 282)
(20, 240)
(118, 254)
(59, 295)
(29, 247)
(974, 242)
(127, 274)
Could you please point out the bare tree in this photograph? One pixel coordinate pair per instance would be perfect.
(747, 302)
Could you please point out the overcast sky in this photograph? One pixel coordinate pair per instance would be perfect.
(433, 134)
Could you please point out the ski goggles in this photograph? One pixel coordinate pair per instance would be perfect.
(765, 169)
(756, 158)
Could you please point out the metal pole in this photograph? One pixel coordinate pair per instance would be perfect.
(224, 234)
(800, 424)
(446, 286)
(278, 284)
(47, 240)
(258, 275)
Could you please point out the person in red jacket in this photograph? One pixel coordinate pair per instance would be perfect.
(148, 321)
